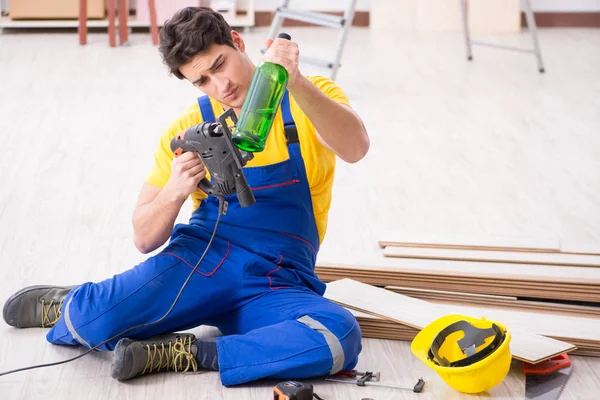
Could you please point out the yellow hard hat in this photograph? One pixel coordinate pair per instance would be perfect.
(471, 355)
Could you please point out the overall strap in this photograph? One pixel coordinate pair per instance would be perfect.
(291, 133)
(206, 109)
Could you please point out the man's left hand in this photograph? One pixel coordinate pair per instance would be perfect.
(285, 53)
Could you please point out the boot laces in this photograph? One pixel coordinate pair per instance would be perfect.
(174, 357)
(47, 322)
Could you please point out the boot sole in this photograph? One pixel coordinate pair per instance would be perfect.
(12, 298)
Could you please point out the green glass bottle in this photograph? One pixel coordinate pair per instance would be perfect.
(260, 106)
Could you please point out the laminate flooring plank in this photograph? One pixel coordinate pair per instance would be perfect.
(505, 271)
(391, 279)
(580, 248)
(545, 308)
(458, 295)
(417, 314)
(466, 242)
(557, 285)
(542, 324)
(387, 279)
(494, 256)
(492, 300)
(571, 329)
(395, 238)
(488, 289)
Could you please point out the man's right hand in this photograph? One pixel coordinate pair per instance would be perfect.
(187, 171)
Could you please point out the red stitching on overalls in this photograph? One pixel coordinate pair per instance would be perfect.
(299, 238)
(200, 272)
(275, 270)
(276, 185)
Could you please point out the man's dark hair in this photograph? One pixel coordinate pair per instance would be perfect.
(189, 32)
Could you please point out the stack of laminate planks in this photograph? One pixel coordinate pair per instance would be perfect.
(535, 283)
(542, 282)
(385, 314)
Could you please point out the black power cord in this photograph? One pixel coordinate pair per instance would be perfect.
(222, 210)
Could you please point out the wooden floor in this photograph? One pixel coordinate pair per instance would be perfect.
(489, 147)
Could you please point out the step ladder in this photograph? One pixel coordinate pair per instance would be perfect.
(342, 23)
(531, 25)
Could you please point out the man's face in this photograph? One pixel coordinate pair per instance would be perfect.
(222, 72)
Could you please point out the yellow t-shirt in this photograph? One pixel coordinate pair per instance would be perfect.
(319, 161)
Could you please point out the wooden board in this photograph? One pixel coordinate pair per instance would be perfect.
(550, 325)
(541, 294)
(471, 288)
(375, 324)
(484, 270)
(466, 279)
(487, 242)
(396, 277)
(433, 283)
(375, 327)
(506, 302)
(441, 279)
(459, 295)
(417, 314)
(444, 285)
(581, 329)
(469, 242)
(409, 336)
(495, 256)
(400, 332)
(580, 248)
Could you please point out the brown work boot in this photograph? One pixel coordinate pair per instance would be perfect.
(168, 352)
(35, 306)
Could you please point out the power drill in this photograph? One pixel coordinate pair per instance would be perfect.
(212, 141)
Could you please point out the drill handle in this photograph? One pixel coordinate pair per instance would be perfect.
(206, 186)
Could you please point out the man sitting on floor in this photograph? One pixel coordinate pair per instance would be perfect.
(257, 282)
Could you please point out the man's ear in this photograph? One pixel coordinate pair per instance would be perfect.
(238, 41)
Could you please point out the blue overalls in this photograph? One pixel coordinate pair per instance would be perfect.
(256, 284)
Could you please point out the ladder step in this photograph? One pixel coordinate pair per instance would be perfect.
(312, 17)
